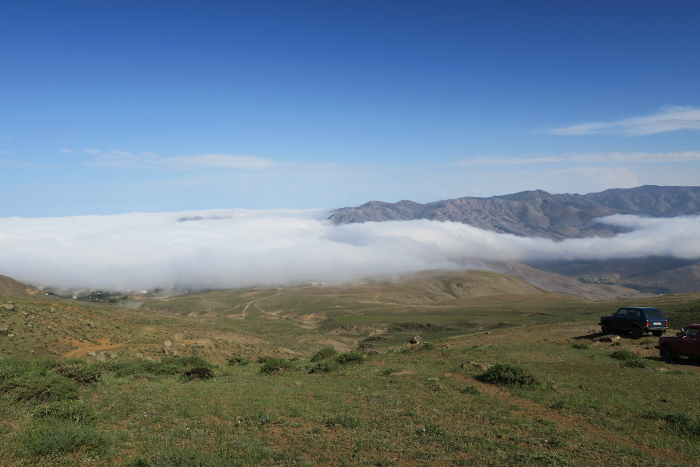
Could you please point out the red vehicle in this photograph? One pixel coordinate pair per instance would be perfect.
(686, 343)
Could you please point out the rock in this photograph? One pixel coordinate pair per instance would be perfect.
(101, 357)
(482, 366)
(170, 352)
(32, 352)
(112, 355)
(148, 357)
(91, 353)
(8, 306)
(416, 340)
(10, 335)
(5, 329)
(433, 379)
(167, 344)
(53, 310)
(90, 324)
(609, 338)
(139, 355)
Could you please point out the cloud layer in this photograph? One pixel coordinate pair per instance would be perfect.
(238, 248)
(669, 119)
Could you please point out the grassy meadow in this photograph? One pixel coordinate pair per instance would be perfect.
(505, 374)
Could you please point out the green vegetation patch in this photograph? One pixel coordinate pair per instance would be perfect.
(629, 359)
(274, 365)
(238, 360)
(325, 367)
(68, 410)
(323, 354)
(502, 374)
(350, 358)
(38, 388)
(63, 438)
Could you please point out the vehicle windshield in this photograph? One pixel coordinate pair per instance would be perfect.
(654, 313)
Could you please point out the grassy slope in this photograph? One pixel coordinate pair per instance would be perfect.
(408, 405)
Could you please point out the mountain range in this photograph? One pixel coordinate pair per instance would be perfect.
(558, 217)
(537, 213)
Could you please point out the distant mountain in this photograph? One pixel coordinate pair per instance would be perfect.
(537, 213)
(653, 274)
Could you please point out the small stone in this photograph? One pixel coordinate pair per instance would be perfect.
(91, 353)
(609, 338)
(167, 344)
(416, 340)
(433, 379)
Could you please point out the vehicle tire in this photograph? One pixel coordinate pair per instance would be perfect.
(667, 354)
(605, 328)
(636, 332)
(657, 333)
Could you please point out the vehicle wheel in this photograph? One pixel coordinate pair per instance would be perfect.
(657, 333)
(636, 332)
(667, 354)
(605, 328)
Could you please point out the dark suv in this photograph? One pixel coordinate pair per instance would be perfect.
(636, 320)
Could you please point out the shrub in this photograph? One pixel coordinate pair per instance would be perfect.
(32, 387)
(263, 358)
(325, 367)
(73, 411)
(508, 375)
(238, 360)
(349, 358)
(274, 365)
(629, 359)
(323, 354)
(62, 438)
(580, 346)
(198, 373)
(79, 374)
(684, 424)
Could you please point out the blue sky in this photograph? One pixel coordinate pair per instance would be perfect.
(150, 106)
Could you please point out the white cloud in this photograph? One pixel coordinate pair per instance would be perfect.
(237, 248)
(670, 118)
(148, 160)
(586, 158)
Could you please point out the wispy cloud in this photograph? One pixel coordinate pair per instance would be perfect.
(67, 151)
(587, 158)
(15, 164)
(238, 248)
(669, 119)
(147, 160)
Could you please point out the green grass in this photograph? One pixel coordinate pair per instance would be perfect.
(550, 400)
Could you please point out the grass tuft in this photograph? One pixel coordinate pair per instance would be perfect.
(346, 421)
(63, 438)
(502, 374)
(629, 359)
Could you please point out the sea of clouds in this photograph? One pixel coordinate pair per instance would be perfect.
(240, 248)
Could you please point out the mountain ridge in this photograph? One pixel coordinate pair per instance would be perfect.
(537, 213)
